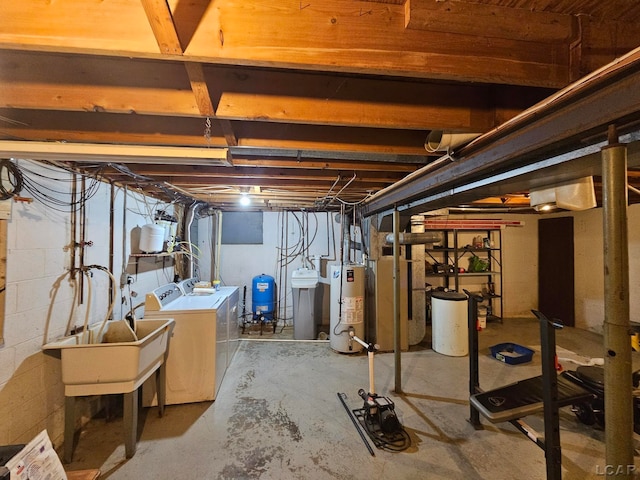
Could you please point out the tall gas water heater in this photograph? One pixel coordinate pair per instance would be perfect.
(347, 307)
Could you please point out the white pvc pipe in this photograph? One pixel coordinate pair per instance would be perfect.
(370, 352)
(85, 326)
(439, 141)
(218, 244)
(372, 386)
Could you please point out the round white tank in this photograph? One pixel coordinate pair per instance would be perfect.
(347, 307)
(151, 238)
(449, 324)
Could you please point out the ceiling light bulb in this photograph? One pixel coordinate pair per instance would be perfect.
(545, 207)
(245, 200)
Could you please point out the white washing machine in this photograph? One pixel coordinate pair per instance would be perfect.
(234, 324)
(188, 285)
(199, 349)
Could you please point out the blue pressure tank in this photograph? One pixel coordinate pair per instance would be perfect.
(263, 296)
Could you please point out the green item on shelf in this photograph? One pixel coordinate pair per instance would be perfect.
(477, 264)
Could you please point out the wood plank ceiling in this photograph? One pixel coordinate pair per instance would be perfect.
(302, 104)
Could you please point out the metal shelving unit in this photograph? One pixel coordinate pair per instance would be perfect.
(450, 268)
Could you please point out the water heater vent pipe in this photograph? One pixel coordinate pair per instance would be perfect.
(416, 238)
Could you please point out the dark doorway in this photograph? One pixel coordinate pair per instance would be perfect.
(555, 269)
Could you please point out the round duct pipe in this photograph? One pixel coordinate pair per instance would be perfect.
(416, 238)
(439, 141)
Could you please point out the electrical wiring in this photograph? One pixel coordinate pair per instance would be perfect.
(189, 252)
(150, 209)
(291, 253)
(39, 187)
(355, 204)
(165, 187)
(12, 174)
(288, 254)
(327, 200)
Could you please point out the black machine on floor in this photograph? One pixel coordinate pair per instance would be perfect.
(591, 411)
(378, 414)
(377, 417)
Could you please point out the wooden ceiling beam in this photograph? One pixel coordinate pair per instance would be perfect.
(106, 28)
(331, 139)
(72, 83)
(292, 143)
(488, 21)
(203, 97)
(326, 169)
(94, 84)
(334, 35)
(155, 130)
(331, 36)
(269, 174)
(294, 138)
(164, 29)
(324, 164)
(107, 137)
(161, 22)
(273, 183)
(296, 97)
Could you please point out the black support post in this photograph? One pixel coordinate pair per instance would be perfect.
(552, 450)
(474, 374)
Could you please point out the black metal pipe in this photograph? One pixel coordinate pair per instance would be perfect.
(552, 450)
(474, 373)
(341, 396)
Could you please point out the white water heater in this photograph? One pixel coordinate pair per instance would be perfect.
(347, 307)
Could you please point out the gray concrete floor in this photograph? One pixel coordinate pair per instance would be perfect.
(277, 416)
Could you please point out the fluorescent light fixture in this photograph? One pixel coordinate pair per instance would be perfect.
(575, 195)
(103, 153)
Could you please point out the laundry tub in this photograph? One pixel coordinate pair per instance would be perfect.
(90, 367)
(103, 368)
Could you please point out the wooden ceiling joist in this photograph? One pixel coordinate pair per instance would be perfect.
(488, 21)
(326, 36)
(161, 22)
(36, 80)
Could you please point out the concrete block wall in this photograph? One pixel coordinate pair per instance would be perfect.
(39, 293)
(589, 267)
(520, 266)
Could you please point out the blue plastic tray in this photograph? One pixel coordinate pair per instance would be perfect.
(511, 353)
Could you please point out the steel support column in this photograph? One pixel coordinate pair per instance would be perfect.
(396, 302)
(617, 342)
